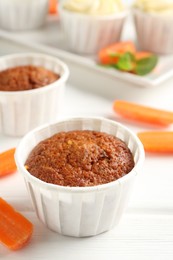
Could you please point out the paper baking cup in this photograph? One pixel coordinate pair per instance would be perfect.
(23, 14)
(21, 111)
(80, 211)
(154, 32)
(88, 34)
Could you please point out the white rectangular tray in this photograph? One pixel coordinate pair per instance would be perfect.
(51, 39)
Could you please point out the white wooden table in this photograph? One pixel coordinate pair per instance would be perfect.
(146, 230)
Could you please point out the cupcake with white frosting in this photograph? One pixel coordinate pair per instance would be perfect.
(91, 25)
(153, 19)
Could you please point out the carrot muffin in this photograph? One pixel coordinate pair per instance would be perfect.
(80, 158)
(26, 78)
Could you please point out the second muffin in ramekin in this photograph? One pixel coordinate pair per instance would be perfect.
(23, 110)
(153, 22)
(75, 209)
(91, 25)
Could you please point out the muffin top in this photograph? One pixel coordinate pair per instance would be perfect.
(80, 158)
(155, 6)
(26, 78)
(96, 7)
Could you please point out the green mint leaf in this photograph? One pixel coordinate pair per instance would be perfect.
(126, 62)
(146, 65)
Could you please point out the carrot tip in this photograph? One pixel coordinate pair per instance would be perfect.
(7, 162)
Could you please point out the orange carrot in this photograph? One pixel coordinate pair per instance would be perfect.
(142, 113)
(7, 162)
(109, 55)
(53, 6)
(161, 142)
(142, 55)
(15, 229)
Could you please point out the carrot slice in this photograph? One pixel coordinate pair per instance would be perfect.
(142, 54)
(142, 113)
(161, 142)
(7, 162)
(110, 54)
(15, 229)
(53, 6)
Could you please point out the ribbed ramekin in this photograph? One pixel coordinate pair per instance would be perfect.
(80, 211)
(21, 111)
(154, 32)
(87, 34)
(23, 14)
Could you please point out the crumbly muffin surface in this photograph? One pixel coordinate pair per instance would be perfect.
(80, 158)
(26, 78)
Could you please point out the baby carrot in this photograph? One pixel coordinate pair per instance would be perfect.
(142, 54)
(142, 113)
(161, 142)
(52, 6)
(7, 162)
(110, 54)
(15, 229)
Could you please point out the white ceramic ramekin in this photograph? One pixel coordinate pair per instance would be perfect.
(87, 34)
(23, 14)
(80, 211)
(21, 111)
(154, 32)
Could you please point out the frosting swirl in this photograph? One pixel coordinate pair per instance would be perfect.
(94, 7)
(155, 6)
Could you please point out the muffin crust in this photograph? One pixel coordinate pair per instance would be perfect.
(80, 158)
(26, 78)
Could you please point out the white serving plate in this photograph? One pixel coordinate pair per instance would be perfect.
(51, 39)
